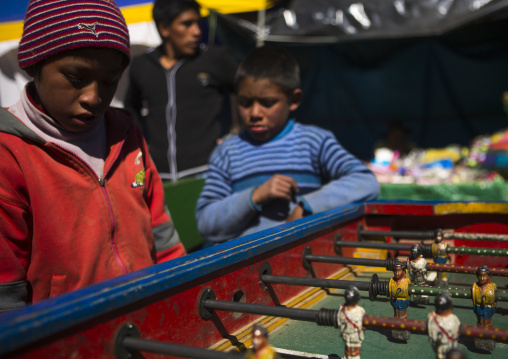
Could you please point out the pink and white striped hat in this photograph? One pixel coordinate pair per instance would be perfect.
(53, 26)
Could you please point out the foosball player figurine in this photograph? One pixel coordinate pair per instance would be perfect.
(398, 291)
(483, 293)
(260, 347)
(443, 326)
(350, 322)
(417, 271)
(440, 256)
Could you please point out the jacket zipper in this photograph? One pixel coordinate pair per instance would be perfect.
(102, 183)
(171, 119)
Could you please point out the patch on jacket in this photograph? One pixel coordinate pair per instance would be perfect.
(204, 78)
(139, 180)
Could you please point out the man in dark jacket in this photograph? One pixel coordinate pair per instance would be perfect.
(176, 91)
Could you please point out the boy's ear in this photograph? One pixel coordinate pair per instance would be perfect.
(295, 100)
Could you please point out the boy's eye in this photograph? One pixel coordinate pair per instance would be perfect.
(245, 102)
(188, 23)
(74, 80)
(267, 102)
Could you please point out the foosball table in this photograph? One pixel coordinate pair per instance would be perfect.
(290, 280)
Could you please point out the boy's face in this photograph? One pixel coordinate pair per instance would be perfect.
(183, 34)
(264, 108)
(76, 87)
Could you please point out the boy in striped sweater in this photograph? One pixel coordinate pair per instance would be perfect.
(276, 170)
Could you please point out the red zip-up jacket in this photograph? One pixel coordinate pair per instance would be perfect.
(61, 228)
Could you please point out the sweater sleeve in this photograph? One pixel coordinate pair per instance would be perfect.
(347, 179)
(166, 239)
(220, 213)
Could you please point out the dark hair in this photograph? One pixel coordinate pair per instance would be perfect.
(272, 63)
(443, 302)
(165, 11)
(352, 295)
(262, 329)
(415, 252)
(482, 269)
(399, 263)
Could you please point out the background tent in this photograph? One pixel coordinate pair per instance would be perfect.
(438, 66)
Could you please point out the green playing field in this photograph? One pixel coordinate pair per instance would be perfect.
(311, 338)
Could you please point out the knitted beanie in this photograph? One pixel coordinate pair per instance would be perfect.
(53, 26)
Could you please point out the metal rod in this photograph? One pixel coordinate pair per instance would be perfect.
(369, 321)
(478, 251)
(398, 234)
(500, 272)
(182, 351)
(432, 235)
(476, 236)
(388, 264)
(388, 246)
(407, 247)
(463, 292)
(346, 260)
(314, 282)
(307, 315)
(420, 327)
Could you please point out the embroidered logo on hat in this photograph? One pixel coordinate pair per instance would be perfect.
(89, 28)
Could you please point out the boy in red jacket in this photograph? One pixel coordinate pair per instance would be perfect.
(80, 199)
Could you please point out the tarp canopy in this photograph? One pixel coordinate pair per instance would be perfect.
(331, 21)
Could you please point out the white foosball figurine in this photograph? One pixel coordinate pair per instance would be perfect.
(350, 321)
(417, 272)
(443, 326)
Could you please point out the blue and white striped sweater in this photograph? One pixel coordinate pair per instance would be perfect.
(326, 174)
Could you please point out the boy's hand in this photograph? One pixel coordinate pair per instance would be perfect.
(278, 186)
(296, 214)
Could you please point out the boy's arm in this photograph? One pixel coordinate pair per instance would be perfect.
(15, 246)
(220, 213)
(349, 179)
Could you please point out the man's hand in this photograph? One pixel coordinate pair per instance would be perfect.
(277, 187)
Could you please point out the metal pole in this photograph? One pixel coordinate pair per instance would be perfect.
(500, 272)
(369, 321)
(314, 282)
(387, 246)
(478, 251)
(476, 236)
(388, 264)
(260, 36)
(398, 234)
(407, 247)
(420, 327)
(432, 235)
(182, 351)
(323, 317)
(346, 260)
(463, 292)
